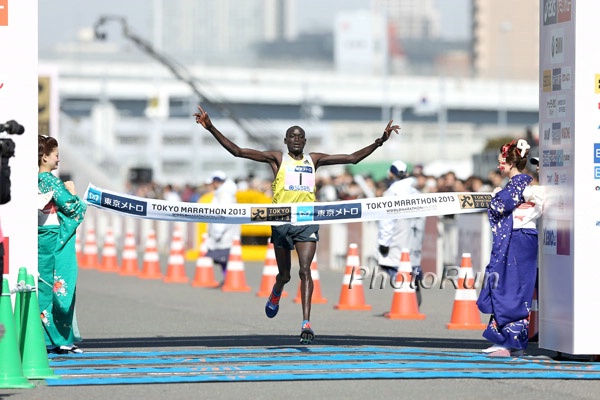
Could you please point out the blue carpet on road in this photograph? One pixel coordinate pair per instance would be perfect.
(302, 363)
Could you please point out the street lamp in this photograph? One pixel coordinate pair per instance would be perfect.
(505, 27)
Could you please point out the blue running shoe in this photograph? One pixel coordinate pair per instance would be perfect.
(307, 334)
(272, 305)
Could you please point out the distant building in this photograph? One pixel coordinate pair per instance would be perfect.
(361, 43)
(212, 31)
(506, 39)
(411, 19)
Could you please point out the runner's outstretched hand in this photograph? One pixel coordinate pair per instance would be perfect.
(387, 132)
(203, 118)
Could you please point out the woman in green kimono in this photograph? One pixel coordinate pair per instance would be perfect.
(60, 211)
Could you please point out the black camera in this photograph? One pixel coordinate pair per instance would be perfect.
(7, 146)
(7, 150)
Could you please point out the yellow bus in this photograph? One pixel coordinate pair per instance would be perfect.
(254, 238)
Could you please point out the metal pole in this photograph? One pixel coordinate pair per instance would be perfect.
(505, 27)
(442, 116)
(156, 139)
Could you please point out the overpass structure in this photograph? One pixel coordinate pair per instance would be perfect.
(119, 116)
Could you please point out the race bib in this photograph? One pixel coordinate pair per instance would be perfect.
(299, 178)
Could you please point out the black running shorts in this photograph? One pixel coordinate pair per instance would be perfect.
(287, 235)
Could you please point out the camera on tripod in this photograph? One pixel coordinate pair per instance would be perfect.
(7, 146)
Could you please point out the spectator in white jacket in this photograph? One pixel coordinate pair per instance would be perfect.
(220, 236)
(397, 234)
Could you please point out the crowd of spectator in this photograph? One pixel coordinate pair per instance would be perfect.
(344, 186)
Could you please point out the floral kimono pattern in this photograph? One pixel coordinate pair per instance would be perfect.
(511, 272)
(57, 260)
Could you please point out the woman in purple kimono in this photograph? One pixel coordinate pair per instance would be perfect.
(511, 272)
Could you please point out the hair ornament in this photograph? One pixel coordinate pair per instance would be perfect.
(506, 147)
(523, 146)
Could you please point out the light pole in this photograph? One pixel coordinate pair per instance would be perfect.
(157, 138)
(385, 60)
(442, 116)
(505, 27)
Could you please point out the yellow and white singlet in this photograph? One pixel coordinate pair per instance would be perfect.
(295, 181)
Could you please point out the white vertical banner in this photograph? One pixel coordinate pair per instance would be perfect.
(570, 171)
(587, 177)
(18, 102)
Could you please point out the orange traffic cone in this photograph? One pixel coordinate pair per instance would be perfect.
(316, 296)
(151, 263)
(78, 253)
(90, 251)
(269, 275)
(465, 314)
(176, 264)
(108, 261)
(533, 317)
(404, 302)
(204, 275)
(352, 296)
(235, 277)
(129, 258)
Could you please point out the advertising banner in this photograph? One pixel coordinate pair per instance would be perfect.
(372, 209)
